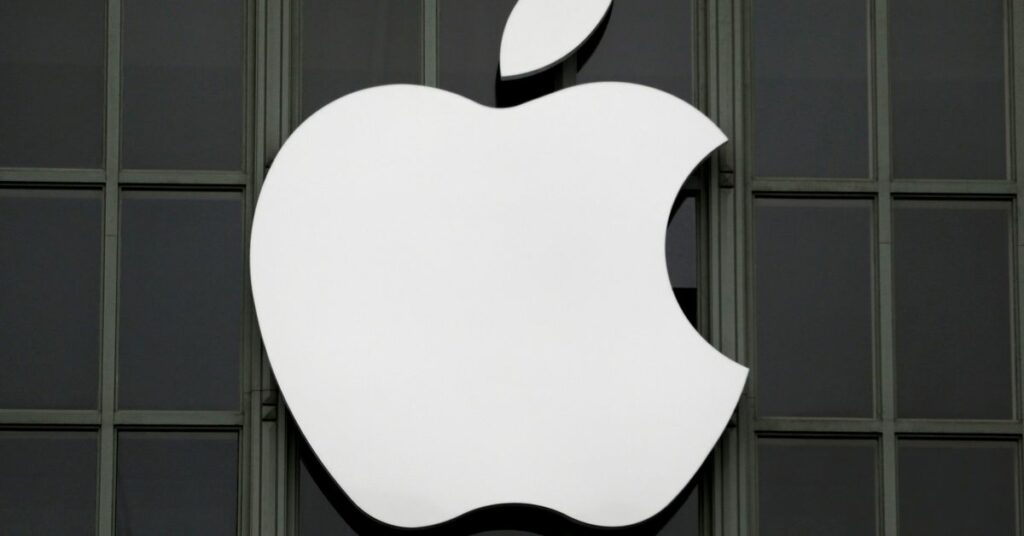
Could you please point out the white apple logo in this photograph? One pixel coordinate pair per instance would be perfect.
(467, 306)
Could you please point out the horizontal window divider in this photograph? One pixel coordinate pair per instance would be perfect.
(48, 417)
(182, 177)
(771, 426)
(178, 418)
(959, 428)
(810, 185)
(53, 176)
(953, 187)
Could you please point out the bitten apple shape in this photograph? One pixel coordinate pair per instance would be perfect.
(467, 306)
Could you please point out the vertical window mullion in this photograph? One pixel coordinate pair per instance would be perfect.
(883, 172)
(430, 43)
(108, 365)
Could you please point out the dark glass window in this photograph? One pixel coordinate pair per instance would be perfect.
(183, 84)
(816, 487)
(956, 488)
(647, 42)
(352, 44)
(48, 482)
(317, 515)
(177, 483)
(810, 88)
(180, 305)
(681, 255)
(469, 41)
(952, 294)
(52, 87)
(814, 307)
(50, 243)
(947, 75)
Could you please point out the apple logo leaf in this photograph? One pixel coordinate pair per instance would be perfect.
(542, 33)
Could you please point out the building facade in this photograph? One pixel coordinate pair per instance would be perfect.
(857, 244)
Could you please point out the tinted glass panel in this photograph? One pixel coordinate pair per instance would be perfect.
(952, 309)
(177, 483)
(182, 84)
(52, 54)
(180, 300)
(950, 489)
(647, 42)
(352, 44)
(810, 67)
(48, 482)
(814, 294)
(810, 488)
(49, 298)
(469, 39)
(946, 70)
(681, 256)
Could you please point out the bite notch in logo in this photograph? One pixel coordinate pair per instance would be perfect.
(467, 306)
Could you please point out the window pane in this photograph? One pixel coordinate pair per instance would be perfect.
(810, 68)
(348, 45)
(810, 488)
(316, 512)
(814, 306)
(469, 40)
(685, 521)
(48, 482)
(647, 42)
(957, 488)
(681, 255)
(946, 69)
(52, 54)
(180, 300)
(177, 483)
(953, 328)
(50, 298)
(183, 84)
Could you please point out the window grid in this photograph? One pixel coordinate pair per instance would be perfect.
(888, 431)
(107, 421)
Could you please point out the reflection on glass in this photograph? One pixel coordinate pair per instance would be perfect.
(647, 42)
(810, 82)
(814, 307)
(180, 301)
(52, 87)
(177, 483)
(946, 66)
(817, 487)
(182, 84)
(956, 488)
(48, 482)
(50, 246)
(349, 45)
(952, 307)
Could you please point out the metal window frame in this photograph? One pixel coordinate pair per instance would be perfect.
(886, 429)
